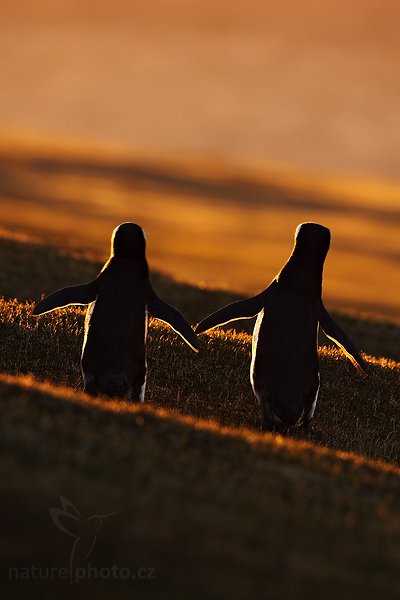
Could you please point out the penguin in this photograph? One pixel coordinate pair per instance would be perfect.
(284, 370)
(113, 360)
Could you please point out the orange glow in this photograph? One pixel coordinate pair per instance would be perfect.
(211, 225)
(298, 450)
(274, 95)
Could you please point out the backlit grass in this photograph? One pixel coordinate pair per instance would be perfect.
(352, 414)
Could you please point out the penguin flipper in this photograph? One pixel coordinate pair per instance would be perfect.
(168, 314)
(76, 294)
(335, 333)
(243, 309)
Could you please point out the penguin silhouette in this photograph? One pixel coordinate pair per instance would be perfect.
(113, 358)
(284, 370)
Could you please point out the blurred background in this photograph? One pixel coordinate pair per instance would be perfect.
(218, 126)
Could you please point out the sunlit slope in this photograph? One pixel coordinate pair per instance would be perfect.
(217, 513)
(353, 414)
(29, 270)
(211, 224)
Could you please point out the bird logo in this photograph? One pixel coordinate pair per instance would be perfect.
(84, 531)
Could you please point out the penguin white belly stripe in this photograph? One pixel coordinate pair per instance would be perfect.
(314, 404)
(256, 331)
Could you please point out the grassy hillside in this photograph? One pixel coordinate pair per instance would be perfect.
(352, 414)
(216, 508)
(216, 513)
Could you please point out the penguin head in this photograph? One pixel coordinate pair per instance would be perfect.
(303, 270)
(128, 240)
(314, 238)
